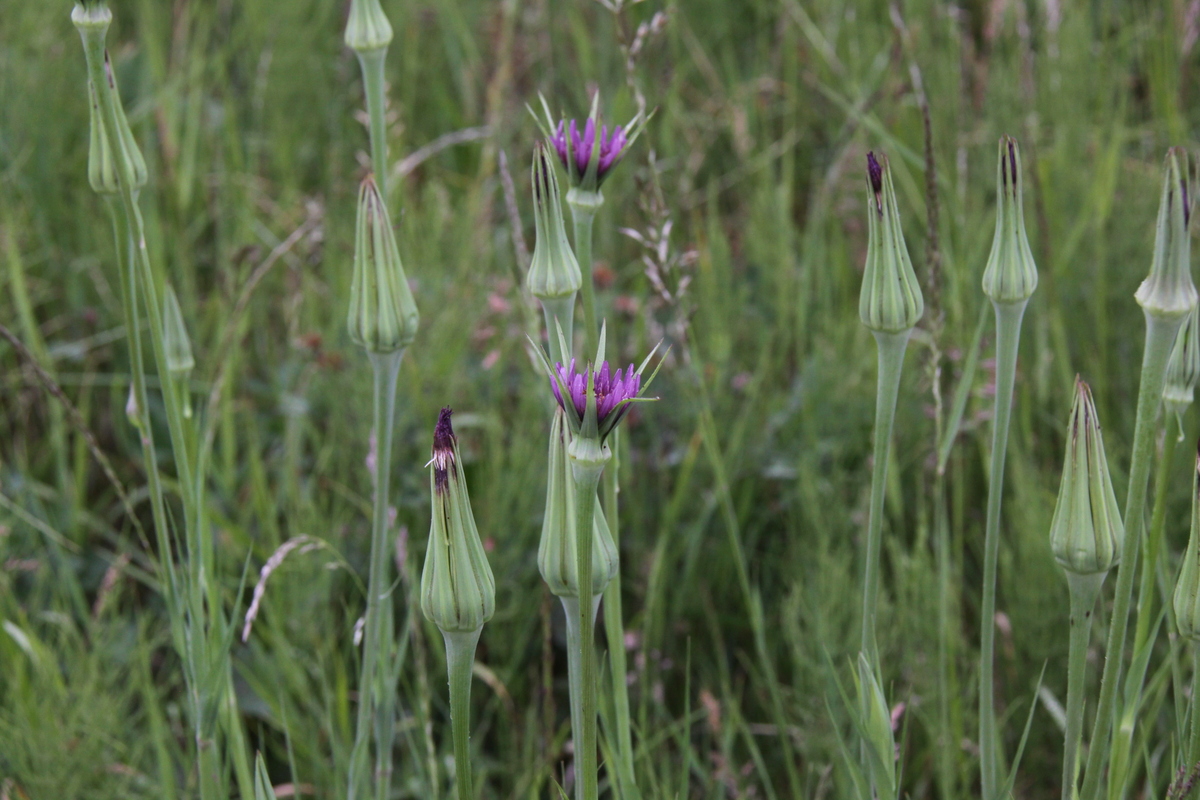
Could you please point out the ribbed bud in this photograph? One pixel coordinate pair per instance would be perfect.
(458, 591)
(91, 16)
(177, 346)
(554, 271)
(1187, 590)
(383, 316)
(891, 300)
(1086, 532)
(1183, 368)
(367, 27)
(877, 724)
(1168, 292)
(556, 551)
(1011, 275)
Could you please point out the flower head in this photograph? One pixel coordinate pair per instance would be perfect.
(1168, 292)
(553, 272)
(1011, 274)
(891, 298)
(383, 316)
(367, 27)
(1183, 368)
(613, 392)
(589, 151)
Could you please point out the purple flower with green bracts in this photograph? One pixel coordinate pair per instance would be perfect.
(614, 393)
(582, 149)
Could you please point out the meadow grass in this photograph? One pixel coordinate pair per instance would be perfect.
(744, 491)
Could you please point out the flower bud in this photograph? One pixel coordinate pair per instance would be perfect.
(383, 316)
(1168, 292)
(1183, 368)
(556, 551)
(458, 591)
(877, 725)
(891, 300)
(1086, 532)
(177, 347)
(591, 154)
(553, 272)
(1011, 275)
(367, 27)
(1187, 590)
(103, 168)
(91, 17)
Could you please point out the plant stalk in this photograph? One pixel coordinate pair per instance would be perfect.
(460, 659)
(1152, 547)
(372, 63)
(1160, 337)
(583, 214)
(1008, 338)
(1084, 591)
(587, 477)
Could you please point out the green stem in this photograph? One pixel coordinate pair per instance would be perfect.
(587, 477)
(1160, 336)
(584, 206)
(891, 347)
(1194, 738)
(574, 614)
(385, 367)
(1152, 547)
(1008, 337)
(614, 628)
(560, 316)
(372, 63)
(460, 660)
(1084, 591)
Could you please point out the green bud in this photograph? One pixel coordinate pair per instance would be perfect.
(553, 273)
(367, 27)
(103, 168)
(1011, 275)
(891, 299)
(556, 551)
(877, 725)
(1086, 532)
(177, 347)
(91, 17)
(458, 591)
(1168, 292)
(1183, 368)
(1187, 590)
(383, 316)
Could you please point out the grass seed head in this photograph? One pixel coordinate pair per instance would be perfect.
(891, 300)
(1011, 274)
(367, 27)
(1187, 590)
(553, 271)
(383, 315)
(458, 591)
(1168, 292)
(1086, 532)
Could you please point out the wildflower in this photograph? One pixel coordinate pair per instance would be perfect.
(891, 299)
(367, 27)
(1011, 274)
(1183, 368)
(1187, 589)
(383, 316)
(103, 166)
(1168, 292)
(1086, 532)
(553, 272)
(589, 155)
(458, 591)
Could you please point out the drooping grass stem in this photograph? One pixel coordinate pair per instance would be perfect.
(891, 347)
(377, 638)
(1084, 591)
(1008, 338)
(1160, 336)
(460, 660)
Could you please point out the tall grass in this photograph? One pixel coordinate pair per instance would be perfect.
(744, 494)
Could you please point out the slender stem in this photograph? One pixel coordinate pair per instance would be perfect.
(385, 367)
(1084, 590)
(460, 659)
(1152, 547)
(574, 614)
(891, 347)
(1194, 738)
(586, 479)
(583, 214)
(1160, 336)
(1008, 337)
(372, 62)
(614, 628)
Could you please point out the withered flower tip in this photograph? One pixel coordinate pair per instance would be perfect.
(443, 449)
(875, 173)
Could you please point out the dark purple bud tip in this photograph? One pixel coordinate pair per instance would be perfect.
(875, 173)
(1012, 161)
(443, 449)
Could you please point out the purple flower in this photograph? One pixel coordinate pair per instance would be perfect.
(613, 392)
(607, 151)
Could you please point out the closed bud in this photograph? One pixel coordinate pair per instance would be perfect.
(556, 551)
(891, 300)
(1168, 292)
(104, 169)
(1011, 275)
(383, 316)
(877, 725)
(553, 272)
(458, 591)
(367, 27)
(91, 17)
(1187, 590)
(1183, 368)
(177, 346)
(1086, 532)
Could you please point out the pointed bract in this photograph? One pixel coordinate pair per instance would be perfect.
(890, 300)
(1011, 274)
(458, 591)
(177, 345)
(553, 271)
(1086, 532)
(1168, 292)
(367, 27)
(877, 725)
(591, 152)
(383, 315)
(1187, 589)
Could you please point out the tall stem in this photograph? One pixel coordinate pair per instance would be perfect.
(372, 62)
(1160, 336)
(1194, 737)
(583, 207)
(460, 659)
(1008, 338)
(614, 628)
(574, 613)
(385, 367)
(587, 477)
(1152, 547)
(891, 347)
(1084, 590)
